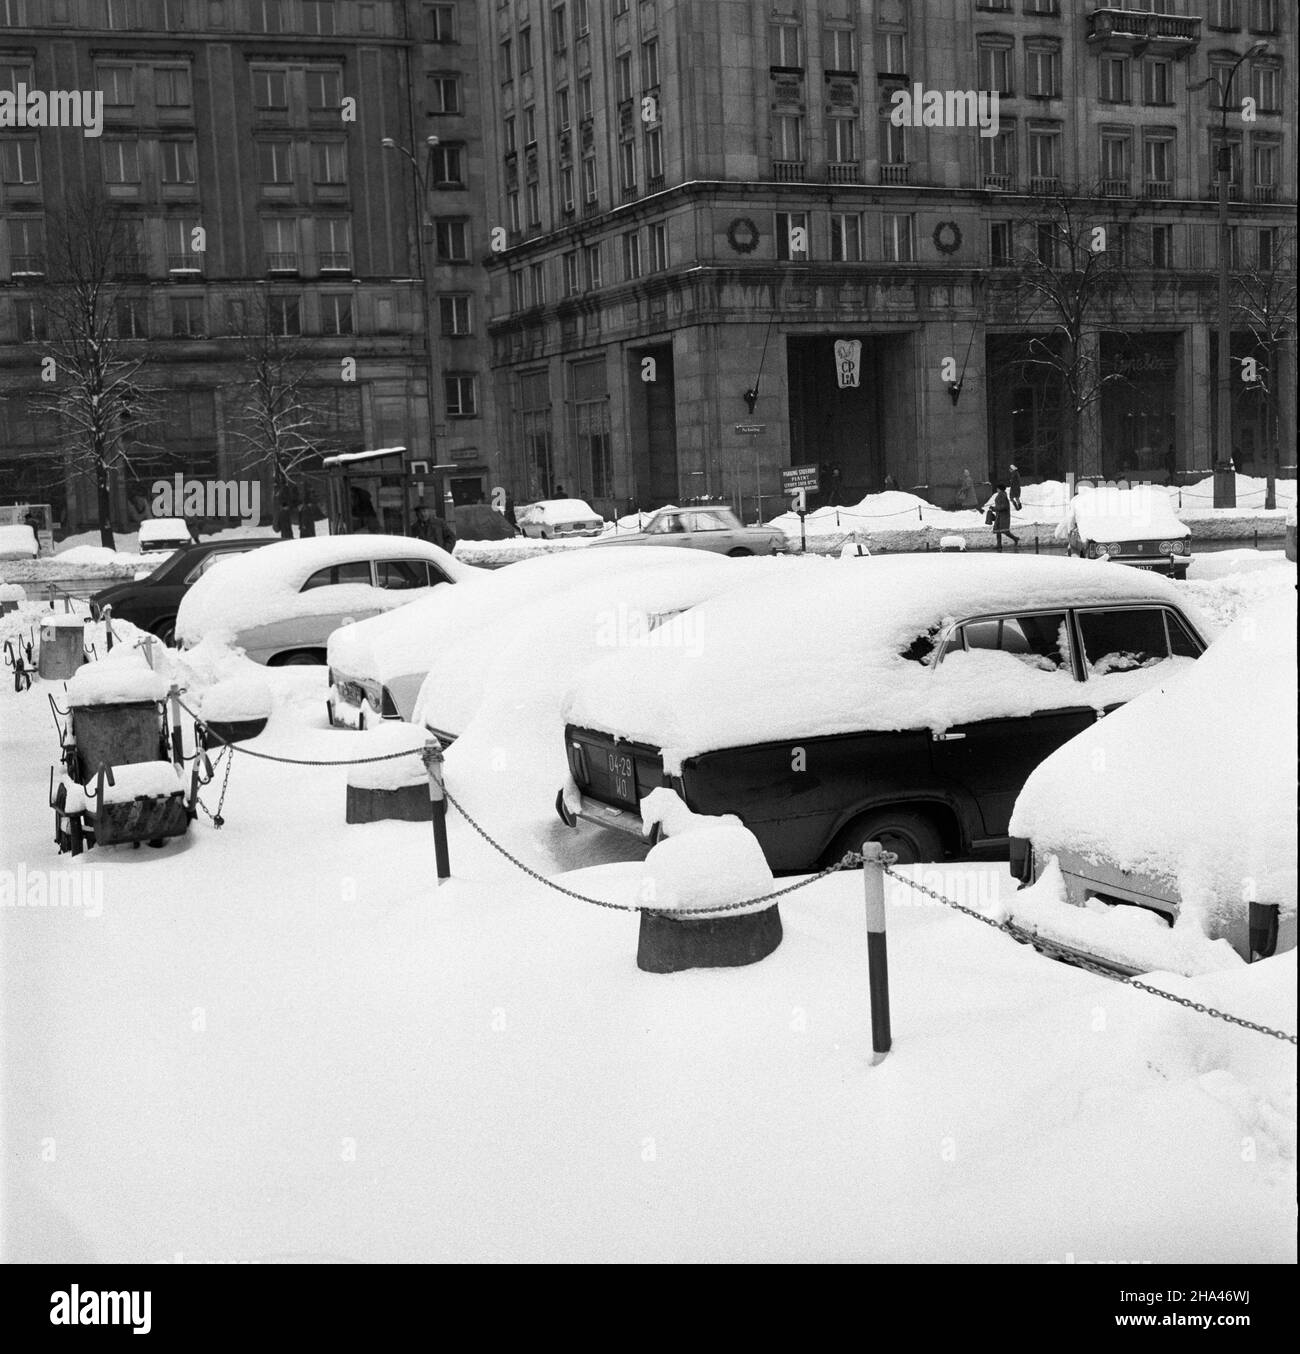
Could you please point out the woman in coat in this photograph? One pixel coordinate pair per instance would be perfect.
(999, 516)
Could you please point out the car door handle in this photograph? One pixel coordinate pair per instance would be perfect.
(946, 737)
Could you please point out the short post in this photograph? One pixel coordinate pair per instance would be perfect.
(803, 534)
(1263, 930)
(873, 883)
(107, 616)
(432, 754)
(178, 748)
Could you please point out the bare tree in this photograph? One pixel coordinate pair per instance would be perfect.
(93, 385)
(1264, 300)
(1069, 270)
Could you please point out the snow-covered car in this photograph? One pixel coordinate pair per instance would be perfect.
(1146, 839)
(282, 602)
(18, 541)
(1133, 526)
(706, 528)
(377, 667)
(163, 533)
(904, 699)
(555, 518)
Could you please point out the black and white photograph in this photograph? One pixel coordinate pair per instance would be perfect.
(648, 632)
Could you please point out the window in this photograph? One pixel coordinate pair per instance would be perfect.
(176, 160)
(334, 244)
(452, 240)
(1234, 158)
(461, 396)
(631, 255)
(1263, 16)
(30, 319)
(1042, 6)
(404, 574)
(1235, 255)
(506, 48)
(1158, 169)
(267, 16)
(785, 45)
(186, 314)
(627, 165)
(998, 158)
(591, 430)
(591, 266)
(318, 18)
(534, 204)
(650, 63)
(1043, 70)
(440, 23)
(571, 287)
(508, 136)
(581, 20)
(1157, 81)
(324, 89)
(537, 284)
(893, 143)
(791, 232)
(525, 50)
(1121, 641)
(559, 31)
(1112, 76)
(26, 246)
(1268, 250)
(275, 161)
(1000, 244)
(1266, 86)
(846, 237)
(842, 140)
(122, 14)
(1038, 641)
(787, 136)
(1162, 246)
(896, 237)
(1116, 161)
(453, 312)
(171, 87)
(584, 98)
(535, 417)
(354, 571)
(1264, 156)
(1044, 157)
(19, 162)
(623, 76)
(444, 93)
(658, 246)
(121, 159)
(131, 317)
(530, 126)
(995, 65)
(567, 198)
(178, 242)
(117, 84)
(891, 53)
(1223, 14)
(270, 87)
(336, 314)
(446, 165)
(512, 211)
(841, 51)
(562, 119)
(280, 243)
(654, 158)
(329, 162)
(589, 183)
(1046, 244)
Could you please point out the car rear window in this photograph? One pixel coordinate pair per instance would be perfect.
(353, 571)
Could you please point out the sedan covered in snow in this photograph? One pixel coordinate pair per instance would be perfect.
(1184, 843)
(558, 518)
(1133, 526)
(707, 528)
(905, 700)
(281, 603)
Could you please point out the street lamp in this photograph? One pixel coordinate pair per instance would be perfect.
(1225, 480)
(388, 143)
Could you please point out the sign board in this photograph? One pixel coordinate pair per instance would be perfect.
(751, 427)
(848, 361)
(800, 477)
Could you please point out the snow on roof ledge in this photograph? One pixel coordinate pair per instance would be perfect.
(347, 457)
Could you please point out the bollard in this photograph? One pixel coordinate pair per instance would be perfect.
(873, 883)
(107, 617)
(432, 754)
(1263, 930)
(178, 748)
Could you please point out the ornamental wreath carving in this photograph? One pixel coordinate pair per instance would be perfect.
(947, 237)
(742, 235)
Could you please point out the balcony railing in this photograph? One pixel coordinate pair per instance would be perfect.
(282, 262)
(1044, 185)
(27, 265)
(1115, 187)
(844, 172)
(1000, 183)
(1158, 188)
(1264, 192)
(185, 262)
(1109, 26)
(336, 261)
(789, 171)
(894, 173)
(654, 183)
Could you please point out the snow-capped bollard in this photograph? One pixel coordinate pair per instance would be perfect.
(952, 542)
(393, 788)
(235, 709)
(432, 754)
(701, 865)
(11, 594)
(873, 883)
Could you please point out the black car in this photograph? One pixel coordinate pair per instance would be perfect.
(152, 602)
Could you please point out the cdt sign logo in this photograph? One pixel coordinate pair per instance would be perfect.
(848, 361)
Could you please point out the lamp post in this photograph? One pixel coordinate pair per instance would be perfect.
(422, 211)
(1225, 479)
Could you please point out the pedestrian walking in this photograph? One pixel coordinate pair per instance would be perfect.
(283, 523)
(998, 516)
(427, 527)
(1013, 487)
(308, 515)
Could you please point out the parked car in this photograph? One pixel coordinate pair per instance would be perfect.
(18, 540)
(163, 533)
(152, 601)
(710, 528)
(377, 667)
(1182, 802)
(281, 603)
(557, 518)
(905, 699)
(1127, 526)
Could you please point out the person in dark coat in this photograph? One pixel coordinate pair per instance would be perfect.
(427, 527)
(308, 515)
(999, 516)
(1013, 488)
(283, 523)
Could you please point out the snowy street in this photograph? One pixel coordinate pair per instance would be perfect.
(283, 1041)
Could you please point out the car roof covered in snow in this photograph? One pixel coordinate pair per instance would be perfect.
(1113, 514)
(259, 586)
(561, 510)
(818, 650)
(1199, 784)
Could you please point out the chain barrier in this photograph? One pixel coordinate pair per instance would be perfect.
(216, 819)
(1079, 961)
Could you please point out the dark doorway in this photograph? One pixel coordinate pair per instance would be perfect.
(654, 426)
(1024, 411)
(1139, 426)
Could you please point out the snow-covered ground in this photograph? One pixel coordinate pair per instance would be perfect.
(282, 1039)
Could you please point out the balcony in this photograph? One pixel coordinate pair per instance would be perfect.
(185, 262)
(894, 173)
(999, 183)
(789, 171)
(1115, 188)
(844, 173)
(336, 261)
(1264, 192)
(1157, 188)
(27, 265)
(282, 262)
(1044, 185)
(1139, 33)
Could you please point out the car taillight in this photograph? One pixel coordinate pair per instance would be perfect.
(1183, 546)
(1022, 859)
(578, 763)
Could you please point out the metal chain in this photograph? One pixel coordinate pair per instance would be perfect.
(217, 820)
(848, 860)
(1078, 961)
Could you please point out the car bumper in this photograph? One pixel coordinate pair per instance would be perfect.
(349, 701)
(603, 815)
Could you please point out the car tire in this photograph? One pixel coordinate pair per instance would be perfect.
(298, 658)
(911, 836)
(738, 552)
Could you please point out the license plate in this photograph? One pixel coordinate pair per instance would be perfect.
(622, 776)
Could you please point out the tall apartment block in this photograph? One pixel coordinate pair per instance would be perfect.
(698, 200)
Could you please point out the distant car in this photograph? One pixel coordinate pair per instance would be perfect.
(1182, 801)
(281, 603)
(708, 528)
(556, 518)
(1127, 526)
(152, 602)
(904, 699)
(163, 533)
(18, 541)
